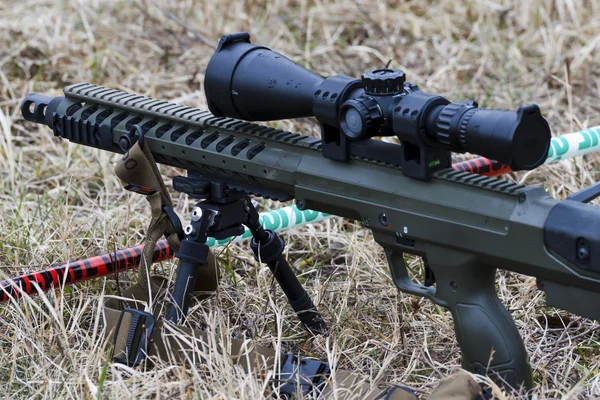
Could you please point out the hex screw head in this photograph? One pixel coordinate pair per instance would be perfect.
(583, 253)
(196, 214)
(583, 250)
(383, 219)
(453, 286)
(189, 229)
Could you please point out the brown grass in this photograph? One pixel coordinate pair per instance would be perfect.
(60, 201)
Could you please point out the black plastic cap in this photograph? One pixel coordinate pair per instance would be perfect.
(531, 138)
(360, 119)
(519, 139)
(219, 73)
(252, 82)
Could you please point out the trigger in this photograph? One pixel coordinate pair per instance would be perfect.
(429, 279)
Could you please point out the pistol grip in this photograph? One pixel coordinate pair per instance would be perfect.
(486, 333)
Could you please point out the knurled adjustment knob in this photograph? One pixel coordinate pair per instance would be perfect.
(446, 124)
(464, 121)
(383, 82)
(360, 118)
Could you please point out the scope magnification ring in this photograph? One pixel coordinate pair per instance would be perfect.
(444, 124)
(462, 129)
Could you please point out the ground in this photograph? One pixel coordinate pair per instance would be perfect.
(60, 201)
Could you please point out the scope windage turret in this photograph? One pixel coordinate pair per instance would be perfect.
(252, 82)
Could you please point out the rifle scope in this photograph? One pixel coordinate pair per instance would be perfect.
(254, 83)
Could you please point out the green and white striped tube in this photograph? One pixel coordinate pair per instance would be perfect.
(277, 220)
(574, 144)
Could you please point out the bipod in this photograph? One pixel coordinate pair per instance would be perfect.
(221, 213)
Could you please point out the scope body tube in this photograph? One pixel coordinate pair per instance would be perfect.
(465, 225)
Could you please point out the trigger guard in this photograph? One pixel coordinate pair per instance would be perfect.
(404, 283)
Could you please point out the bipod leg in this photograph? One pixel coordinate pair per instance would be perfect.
(192, 255)
(296, 294)
(268, 248)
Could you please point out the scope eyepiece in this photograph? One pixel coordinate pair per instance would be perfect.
(519, 139)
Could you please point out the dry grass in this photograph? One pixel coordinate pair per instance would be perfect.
(60, 201)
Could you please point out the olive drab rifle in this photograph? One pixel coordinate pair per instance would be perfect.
(464, 226)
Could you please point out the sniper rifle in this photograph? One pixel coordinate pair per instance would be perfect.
(464, 226)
